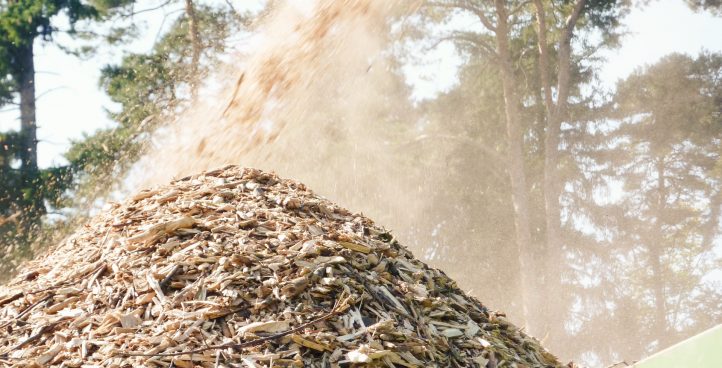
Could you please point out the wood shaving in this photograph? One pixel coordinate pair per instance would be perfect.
(191, 274)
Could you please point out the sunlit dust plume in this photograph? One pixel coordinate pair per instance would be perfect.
(315, 100)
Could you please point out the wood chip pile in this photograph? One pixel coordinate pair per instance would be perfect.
(236, 267)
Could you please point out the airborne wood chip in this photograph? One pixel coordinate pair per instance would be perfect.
(235, 256)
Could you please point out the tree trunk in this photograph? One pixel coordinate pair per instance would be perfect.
(551, 276)
(517, 175)
(713, 222)
(655, 254)
(195, 46)
(554, 257)
(28, 127)
(33, 207)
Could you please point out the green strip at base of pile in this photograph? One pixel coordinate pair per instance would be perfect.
(236, 267)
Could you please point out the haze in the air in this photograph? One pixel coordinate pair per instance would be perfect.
(602, 241)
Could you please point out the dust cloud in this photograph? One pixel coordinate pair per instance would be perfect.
(315, 98)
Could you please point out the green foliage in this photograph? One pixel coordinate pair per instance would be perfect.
(670, 112)
(606, 14)
(110, 6)
(7, 84)
(480, 93)
(22, 21)
(663, 146)
(148, 84)
(142, 84)
(150, 88)
(26, 192)
(713, 6)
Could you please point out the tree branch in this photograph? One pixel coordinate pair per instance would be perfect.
(519, 7)
(468, 37)
(38, 97)
(564, 59)
(132, 13)
(713, 222)
(466, 5)
(543, 55)
(571, 21)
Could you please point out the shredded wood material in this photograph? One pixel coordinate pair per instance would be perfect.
(236, 267)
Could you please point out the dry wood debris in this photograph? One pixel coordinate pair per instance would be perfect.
(236, 267)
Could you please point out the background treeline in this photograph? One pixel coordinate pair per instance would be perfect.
(578, 204)
(590, 216)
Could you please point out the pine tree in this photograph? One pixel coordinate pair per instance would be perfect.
(663, 145)
(26, 188)
(150, 88)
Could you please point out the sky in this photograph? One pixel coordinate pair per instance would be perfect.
(71, 103)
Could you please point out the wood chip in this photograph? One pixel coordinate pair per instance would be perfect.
(242, 256)
(310, 344)
(355, 247)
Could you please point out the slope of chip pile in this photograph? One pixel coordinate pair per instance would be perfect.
(239, 268)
